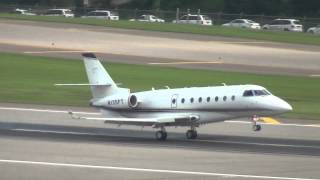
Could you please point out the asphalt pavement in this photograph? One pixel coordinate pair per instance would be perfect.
(43, 142)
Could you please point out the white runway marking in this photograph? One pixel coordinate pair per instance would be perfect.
(282, 124)
(198, 140)
(92, 113)
(57, 132)
(244, 42)
(258, 144)
(45, 110)
(314, 75)
(187, 62)
(58, 51)
(198, 173)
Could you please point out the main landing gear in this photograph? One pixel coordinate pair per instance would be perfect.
(192, 133)
(255, 125)
(162, 134)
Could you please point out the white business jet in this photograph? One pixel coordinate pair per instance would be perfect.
(189, 107)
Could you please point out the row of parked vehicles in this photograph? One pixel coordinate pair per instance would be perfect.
(277, 24)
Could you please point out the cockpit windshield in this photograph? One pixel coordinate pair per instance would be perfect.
(249, 93)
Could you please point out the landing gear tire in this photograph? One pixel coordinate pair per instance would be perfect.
(191, 134)
(161, 135)
(256, 127)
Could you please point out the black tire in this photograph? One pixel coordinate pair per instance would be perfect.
(161, 136)
(190, 134)
(164, 136)
(195, 135)
(256, 127)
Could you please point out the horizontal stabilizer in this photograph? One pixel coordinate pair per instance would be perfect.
(89, 55)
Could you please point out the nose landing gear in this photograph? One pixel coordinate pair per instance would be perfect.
(255, 125)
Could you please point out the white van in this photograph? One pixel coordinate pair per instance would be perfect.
(102, 14)
(194, 19)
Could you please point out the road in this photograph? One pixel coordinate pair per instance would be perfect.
(48, 144)
(158, 48)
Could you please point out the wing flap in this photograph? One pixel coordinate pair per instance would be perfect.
(133, 120)
(140, 121)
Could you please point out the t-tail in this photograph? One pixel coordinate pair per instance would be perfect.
(100, 82)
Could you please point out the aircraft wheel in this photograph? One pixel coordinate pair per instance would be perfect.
(191, 134)
(256, 127)
(161, 135)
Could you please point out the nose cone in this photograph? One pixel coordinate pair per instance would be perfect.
(285, 106)
(281, 106)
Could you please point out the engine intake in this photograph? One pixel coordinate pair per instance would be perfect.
(133, 101)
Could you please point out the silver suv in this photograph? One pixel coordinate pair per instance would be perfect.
(284, 25)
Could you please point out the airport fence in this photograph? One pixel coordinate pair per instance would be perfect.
(125, 14)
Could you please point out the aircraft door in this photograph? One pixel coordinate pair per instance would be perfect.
(174, 101)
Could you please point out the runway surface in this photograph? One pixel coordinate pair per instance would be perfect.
(43, 142)
(159, 49)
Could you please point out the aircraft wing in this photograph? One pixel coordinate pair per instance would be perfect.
(140, 121)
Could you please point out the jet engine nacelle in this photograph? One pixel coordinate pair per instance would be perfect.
(133, 101)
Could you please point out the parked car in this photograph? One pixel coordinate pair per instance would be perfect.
(243, 23)
(148, 18)
(314, 30)
(194, 19)
(284, 25)
(59, 12)
(23, 12)
(102, 14)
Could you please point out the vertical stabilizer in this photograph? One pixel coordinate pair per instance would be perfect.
(101, 83)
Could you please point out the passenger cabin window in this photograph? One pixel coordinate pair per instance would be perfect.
(216, 99)
(233, 98)
(224, 98)
(200, 99)
(208, 99)
(182, 100)
(191, 100)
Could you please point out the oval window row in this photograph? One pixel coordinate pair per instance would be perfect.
(208, 99)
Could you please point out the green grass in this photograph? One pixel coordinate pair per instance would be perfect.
(29, 79)
(287, 37)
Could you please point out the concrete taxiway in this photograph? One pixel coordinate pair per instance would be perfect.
(43, 142)
(158, 48)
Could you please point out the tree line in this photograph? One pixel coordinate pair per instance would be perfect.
(309, 8)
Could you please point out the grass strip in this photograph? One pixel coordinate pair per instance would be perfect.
(30, 79)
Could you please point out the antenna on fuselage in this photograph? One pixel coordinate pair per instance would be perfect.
(224, 84)
(167, 87)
